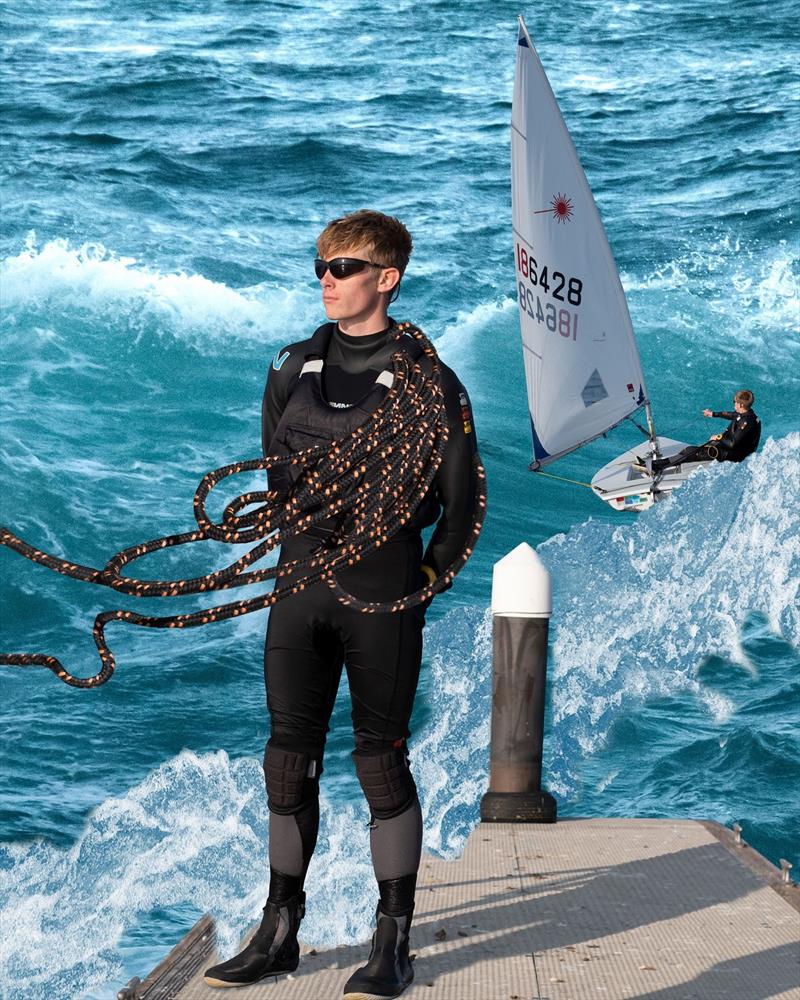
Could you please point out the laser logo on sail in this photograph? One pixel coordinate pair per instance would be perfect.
(560, 207)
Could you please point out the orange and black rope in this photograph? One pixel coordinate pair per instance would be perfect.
(375, 478)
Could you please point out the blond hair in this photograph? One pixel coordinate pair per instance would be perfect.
(385, 239)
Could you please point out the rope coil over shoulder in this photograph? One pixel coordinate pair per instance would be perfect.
(377, 477)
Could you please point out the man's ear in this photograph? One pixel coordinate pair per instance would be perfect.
(389, 279)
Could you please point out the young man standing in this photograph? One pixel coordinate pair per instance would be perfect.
(739, 439)
(311, 635)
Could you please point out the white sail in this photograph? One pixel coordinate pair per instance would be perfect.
(582, 365)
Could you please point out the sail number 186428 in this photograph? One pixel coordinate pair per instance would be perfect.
(561, 320)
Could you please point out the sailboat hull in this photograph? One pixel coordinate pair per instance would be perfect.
(625, 488)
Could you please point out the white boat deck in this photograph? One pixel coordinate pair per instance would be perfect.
(597, 908)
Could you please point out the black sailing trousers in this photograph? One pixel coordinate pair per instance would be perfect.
(311, 636)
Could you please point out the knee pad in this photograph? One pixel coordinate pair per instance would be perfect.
(386, 781)
(287, 777)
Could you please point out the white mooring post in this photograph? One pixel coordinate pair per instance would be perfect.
(521, 610)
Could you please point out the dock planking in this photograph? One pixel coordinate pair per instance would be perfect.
(622, 909)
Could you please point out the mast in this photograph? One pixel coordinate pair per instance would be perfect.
(651, 427)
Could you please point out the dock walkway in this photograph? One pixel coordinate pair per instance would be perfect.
(618, 909)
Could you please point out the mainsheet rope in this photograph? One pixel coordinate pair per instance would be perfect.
(375, 479)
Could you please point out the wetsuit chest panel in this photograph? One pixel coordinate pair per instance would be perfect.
(308, 420)
(342, 388)
(741, 437)
(308, 415)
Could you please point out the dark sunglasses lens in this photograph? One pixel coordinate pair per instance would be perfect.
(340, 267)
(343, 267)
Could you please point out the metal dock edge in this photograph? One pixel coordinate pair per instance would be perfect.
(621, 909)
(178, 967)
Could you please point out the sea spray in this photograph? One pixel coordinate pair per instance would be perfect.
(637, 608)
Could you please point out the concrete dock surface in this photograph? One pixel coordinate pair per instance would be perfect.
(585, 909)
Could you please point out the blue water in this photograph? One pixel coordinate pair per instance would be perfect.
(165, 176)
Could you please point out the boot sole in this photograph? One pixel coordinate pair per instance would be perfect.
(221, 983)
(360, 995)
(372, 996)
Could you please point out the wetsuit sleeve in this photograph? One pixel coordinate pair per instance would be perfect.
(456, 479)
(282, 372)
(272, 406)
(281, 377)
(725, 414)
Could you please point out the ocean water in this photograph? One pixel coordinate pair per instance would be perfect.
(165, 173)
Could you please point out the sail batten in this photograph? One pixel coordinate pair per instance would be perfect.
(582, 368)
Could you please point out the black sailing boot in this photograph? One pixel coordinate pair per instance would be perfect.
(388, 970)
(273, 949)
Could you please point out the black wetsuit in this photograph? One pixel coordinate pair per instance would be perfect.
(311, 635)
(350, 370)
(739, 439)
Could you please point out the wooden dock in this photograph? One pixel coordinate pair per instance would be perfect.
(585, 909)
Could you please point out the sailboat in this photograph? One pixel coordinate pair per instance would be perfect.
(582, 366)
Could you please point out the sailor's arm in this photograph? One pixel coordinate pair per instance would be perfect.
(456, 480)
(281, 373)
(726, 416)
(281, 376)
(272, 406)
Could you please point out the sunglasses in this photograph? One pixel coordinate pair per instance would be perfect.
(341, 267)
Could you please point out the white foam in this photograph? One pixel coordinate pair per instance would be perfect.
(755, 291)
(591, 83)
(450, 756)
(604, 782)
(638, 607)
(130, 49)
(164, 840)
(93, 281)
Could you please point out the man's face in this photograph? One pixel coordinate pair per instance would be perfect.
(361, 294)
(739, 407)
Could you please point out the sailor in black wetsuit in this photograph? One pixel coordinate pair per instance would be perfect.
(739, 439)
(311, 635)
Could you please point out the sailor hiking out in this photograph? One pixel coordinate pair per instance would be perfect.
(739, 439)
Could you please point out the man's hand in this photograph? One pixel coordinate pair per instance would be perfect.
(707, 413)
(716, 437)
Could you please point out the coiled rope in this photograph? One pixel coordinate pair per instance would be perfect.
(373, 480)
